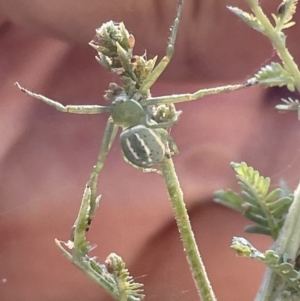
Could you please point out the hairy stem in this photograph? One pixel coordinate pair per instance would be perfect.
(187, 236)
(278, 41)
(287, 244)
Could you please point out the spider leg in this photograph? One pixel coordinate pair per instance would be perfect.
(76, 109)
(176, 98)
(157, 71)
(172, 148)
(164, 125)
(90, 193)
(109, 136)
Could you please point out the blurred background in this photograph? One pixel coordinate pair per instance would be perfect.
(46, 156)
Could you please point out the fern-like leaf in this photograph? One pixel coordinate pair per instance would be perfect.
(249, 19)
(266, 209)
(275, 75)
(283, 269)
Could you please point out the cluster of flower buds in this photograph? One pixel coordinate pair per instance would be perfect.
(115, 45)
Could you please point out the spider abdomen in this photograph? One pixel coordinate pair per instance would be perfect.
(142, 146)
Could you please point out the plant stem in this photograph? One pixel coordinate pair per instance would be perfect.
(289, 238)
(85, 267)
(187, 236)
(278, 41)
(287, 244)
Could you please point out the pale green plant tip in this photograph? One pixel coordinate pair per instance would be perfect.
(249, 19)
(285, 12)
(266, 208)
(274, 75)
(241, 246)
(284, 270)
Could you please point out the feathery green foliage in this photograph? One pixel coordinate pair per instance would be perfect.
(275, 75)
(289, 277)
(249, 19)
(266, 208)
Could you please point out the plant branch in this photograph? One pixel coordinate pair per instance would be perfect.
(287, 245)
(183, 223)
(278, 41)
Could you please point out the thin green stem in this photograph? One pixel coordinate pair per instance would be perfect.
(85, 267)
(270, 219)
(289, 238)
(287, 244)
(187, 236)
(278, 41)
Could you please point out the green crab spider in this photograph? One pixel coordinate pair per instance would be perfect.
(145, 141)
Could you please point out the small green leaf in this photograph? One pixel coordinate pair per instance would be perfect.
(260, 220)
(249, 19)
(290, 105)
(275, 75)
(281, 206)
(288, 25)
(274, 194)
(284, 270)
(258, 230)
(251, 181)
(229, 199)
(252, 210)
(248, 198)
(275, 18)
